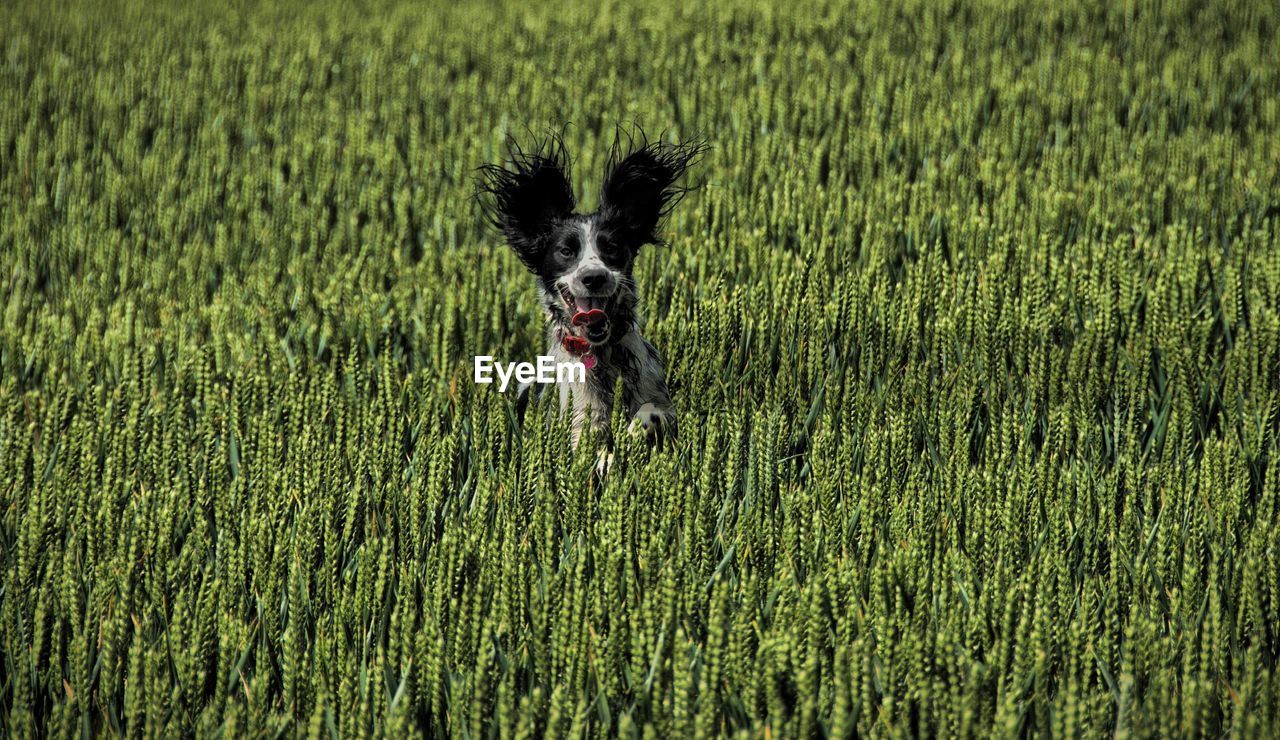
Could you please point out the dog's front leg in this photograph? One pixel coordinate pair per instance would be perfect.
(648, 400)
(525, 393)
(590, 409)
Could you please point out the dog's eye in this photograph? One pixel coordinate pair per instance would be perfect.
(569, 247)
(609, 250)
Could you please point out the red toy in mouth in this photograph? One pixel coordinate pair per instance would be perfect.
(586, 318)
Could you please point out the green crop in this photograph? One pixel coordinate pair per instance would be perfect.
(973, 327)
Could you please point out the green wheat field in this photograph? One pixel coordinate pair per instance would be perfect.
(973, 326)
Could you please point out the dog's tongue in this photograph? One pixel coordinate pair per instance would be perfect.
(586, 305)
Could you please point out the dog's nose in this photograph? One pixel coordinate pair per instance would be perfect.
(595, 281)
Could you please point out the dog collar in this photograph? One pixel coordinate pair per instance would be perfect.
(579, 347)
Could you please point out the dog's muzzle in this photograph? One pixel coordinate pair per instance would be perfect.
(593, 323)
(588, 316)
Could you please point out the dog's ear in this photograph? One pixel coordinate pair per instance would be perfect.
(641, 189)
(525, 201)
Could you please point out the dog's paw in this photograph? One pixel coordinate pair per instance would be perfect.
(654, 422)
(604, 462)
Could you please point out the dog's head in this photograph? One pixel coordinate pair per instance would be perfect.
(583, 261)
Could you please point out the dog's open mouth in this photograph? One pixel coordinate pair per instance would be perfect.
(589, 314)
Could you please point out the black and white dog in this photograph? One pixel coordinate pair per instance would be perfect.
(583, 263)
